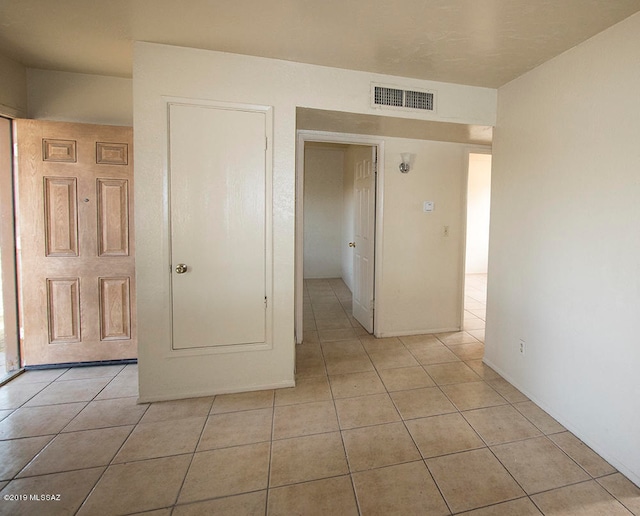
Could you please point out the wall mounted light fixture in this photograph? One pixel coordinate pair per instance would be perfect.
(405, 166)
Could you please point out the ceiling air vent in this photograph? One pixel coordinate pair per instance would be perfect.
(399, 98)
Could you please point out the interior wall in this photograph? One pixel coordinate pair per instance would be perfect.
(13, 88)
(564, 274)
(323, 205)
(161, 71)
(77, 97)
(478, 213)
(422, 267)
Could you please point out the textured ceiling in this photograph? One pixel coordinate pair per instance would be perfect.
(475, 42)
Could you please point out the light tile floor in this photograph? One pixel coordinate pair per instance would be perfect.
(412, 425)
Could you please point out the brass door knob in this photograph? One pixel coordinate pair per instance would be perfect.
(352, 244)
(181, 268)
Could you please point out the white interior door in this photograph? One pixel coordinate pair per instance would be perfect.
(363, 264)
(218, 226)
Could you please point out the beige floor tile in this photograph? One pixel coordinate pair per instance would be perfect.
(471, 351)
(305, 391)
(378, 446)
(68, 392)
(392, 358)
(405, 378)
(336, 335)
(348, 364)
(32, 421)
(473, 479)
(13, 395)
(454, 372)
(227, 471)
(158, 512)
(482, 314)
(539, 417)
(356, 384)
(473, 323)
(398, 490)
(500, 424)
(483, 370)
(335, 323)
(341, 349)
(122, 386)
(310, 335)
(310, 368)
(595, 465)
(365, 411)
(161, 439)
(86, 373)
(242, 401)
(507, 391)
(478, 334)
(585, 499)
(236, 428)
(137, 486)
(624, 490)
(416, 403)
(250, 504)
(441, 435)
(374, 345)
(16, 454)
(420, 342)
(78, 450)
(457, 337)
(519, 507)
(72, 486)
(5, 413)
(307, 458)
(129, 370)
(105, 413)
(538, 465)
(304, 419)
(178, 409)
(317, 498)
(309, 350)
(472, 395)
(37, 376)
(436, 354)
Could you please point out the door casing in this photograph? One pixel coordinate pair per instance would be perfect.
(348, 139)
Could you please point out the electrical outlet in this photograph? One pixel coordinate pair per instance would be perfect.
(522, 346)
(445, 231)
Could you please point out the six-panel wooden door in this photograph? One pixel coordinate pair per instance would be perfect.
(74, 214)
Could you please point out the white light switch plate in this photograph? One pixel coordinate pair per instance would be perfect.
(427, 206)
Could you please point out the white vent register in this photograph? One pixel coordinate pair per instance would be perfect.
(398, 98)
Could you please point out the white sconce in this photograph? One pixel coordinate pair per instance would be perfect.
(405, 166)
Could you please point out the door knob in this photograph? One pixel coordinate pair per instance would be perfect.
(352, 244)
(181, 268)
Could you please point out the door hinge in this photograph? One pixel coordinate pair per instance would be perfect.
(266, 143)
(265, 301)
(372, 305)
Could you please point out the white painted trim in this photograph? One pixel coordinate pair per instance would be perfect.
(343, 138)
(200, 394)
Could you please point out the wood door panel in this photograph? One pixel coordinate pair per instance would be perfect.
(61, 216)
(113, 217)
(76, 242)
(63, 307)
(115, 312)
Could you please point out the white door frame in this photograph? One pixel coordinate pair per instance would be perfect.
(471, 149)
(348, 139)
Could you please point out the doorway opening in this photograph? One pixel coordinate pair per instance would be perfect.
(9, 349)
(477, 242)
(336, 228)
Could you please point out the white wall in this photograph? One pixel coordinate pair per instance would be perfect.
(564, 267)
(478, 211)
(422, 269)
(164, 70)
(13, 88)
(77, 97)
(323, 185)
